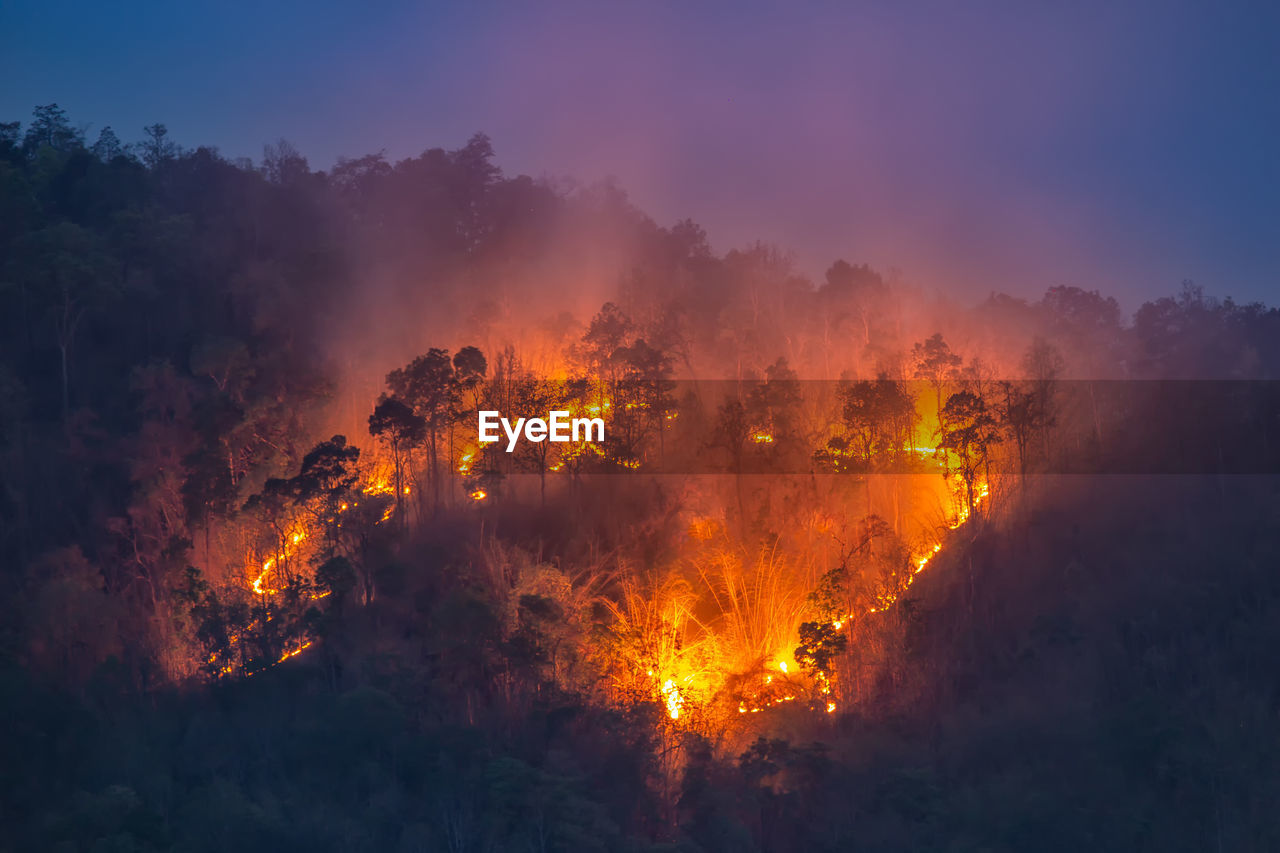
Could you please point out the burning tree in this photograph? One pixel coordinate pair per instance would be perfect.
(968, 429)
(433, 386)
(325, 485)
(401, 428)
(879, 417)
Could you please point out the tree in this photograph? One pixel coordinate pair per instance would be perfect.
(969, 430)
(66, 268)
(326, 480)
(1018, 418)
(432, 385)
(476, 175)
(850, 293)
(820, 644)
(153, 533)
(1088, 325)
(402, 429)
(10, 134)
(823, 638)
(470, 367)
(1027, 408)
(429, 384)
(609, 331)
(935, 363)
(50, 128)
(879, 417)
(641, 399)
(336, 576)
(217, 625)
(157, 147)
(275, 508)
(108, 146)
(771, 407)
(283, 164)
(1078, 311)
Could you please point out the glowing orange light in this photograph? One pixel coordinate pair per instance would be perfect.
(299, 650)
(672, 697)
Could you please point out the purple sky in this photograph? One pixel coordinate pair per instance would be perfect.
(974, 146)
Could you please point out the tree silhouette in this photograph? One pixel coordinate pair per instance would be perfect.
(969, 430)
(50, 129)
(402, 429)
(934, 362)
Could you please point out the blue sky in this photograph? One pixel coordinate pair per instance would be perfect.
(973, 146)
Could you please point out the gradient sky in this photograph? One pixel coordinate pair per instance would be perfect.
(973, 146)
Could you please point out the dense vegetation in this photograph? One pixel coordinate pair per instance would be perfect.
(198, 353)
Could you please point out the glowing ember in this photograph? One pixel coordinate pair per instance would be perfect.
(671, 695)
(294, 652)
(380, 485)
(923, 561)
(257, 582)
(292, 541)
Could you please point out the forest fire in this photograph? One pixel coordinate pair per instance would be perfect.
(719, 549)
(691, 660)
(853, 555)
(689, 656)
(287, 548)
